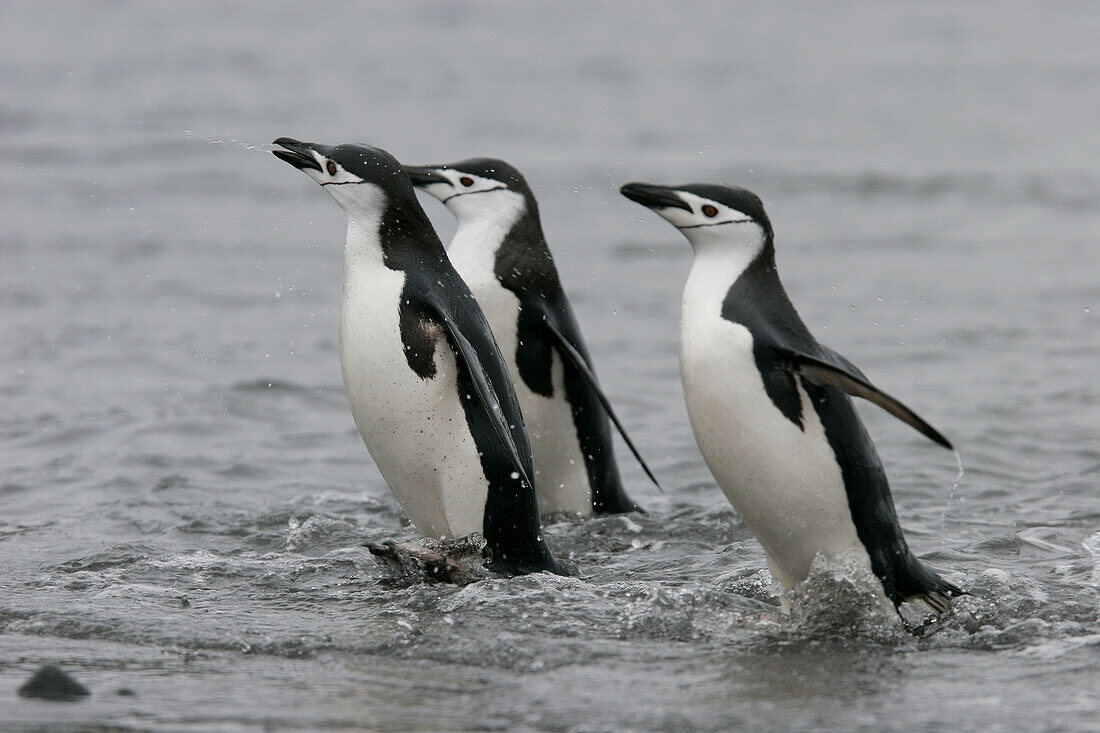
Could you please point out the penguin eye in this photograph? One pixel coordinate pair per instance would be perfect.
(466, 181)
(710, 211)
(331, 168)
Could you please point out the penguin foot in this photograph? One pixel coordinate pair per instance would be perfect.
(938, 602)
(430, 561)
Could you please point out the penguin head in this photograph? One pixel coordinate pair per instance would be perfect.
(475, 189)
(364, 180)
(707, 214)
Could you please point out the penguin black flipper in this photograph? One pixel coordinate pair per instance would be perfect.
(483, 386)
(546, 324)
(577, 359)
(511, 516)
(834, 370)
(904, 577)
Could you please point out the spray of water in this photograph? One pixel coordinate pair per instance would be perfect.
(959, 475)
(1092, 546)
(842, 598)
(264, 148)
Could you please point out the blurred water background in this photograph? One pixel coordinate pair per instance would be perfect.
(183, 495)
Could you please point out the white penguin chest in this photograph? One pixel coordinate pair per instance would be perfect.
(782, 478)
(414, 428)
(561, 475)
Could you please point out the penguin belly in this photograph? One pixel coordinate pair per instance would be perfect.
(561, 476)
(415, 429)
(783, 479)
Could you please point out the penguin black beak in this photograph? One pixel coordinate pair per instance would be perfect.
(654, 197)
(425, 175)
(297, 153)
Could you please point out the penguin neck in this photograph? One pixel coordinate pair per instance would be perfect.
(363, 245)
(397, 237)
(720, 261)
(482, 232)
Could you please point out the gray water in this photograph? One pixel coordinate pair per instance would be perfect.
(184, 496)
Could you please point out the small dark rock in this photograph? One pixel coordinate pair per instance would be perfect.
(125, 692)
(50, 683)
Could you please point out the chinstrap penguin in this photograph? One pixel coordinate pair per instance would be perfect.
(770, 406)
(500, 251)
(428, 389)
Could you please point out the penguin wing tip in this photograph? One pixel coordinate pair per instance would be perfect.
(940, 439)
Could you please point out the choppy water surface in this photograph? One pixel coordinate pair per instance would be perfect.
(183, 493)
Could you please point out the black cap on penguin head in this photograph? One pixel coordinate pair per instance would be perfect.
(492, 168)
(347, 163)
(473, 175)
(372, 164)
(735, 197)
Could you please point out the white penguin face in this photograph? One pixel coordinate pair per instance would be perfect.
(711, 225)
(358, 197)
(459, 183)
(706, 220)
(471, 197)
(702, 212)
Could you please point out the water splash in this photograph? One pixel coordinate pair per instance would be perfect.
(960, 474)
(1092, 546)
(842, 598)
